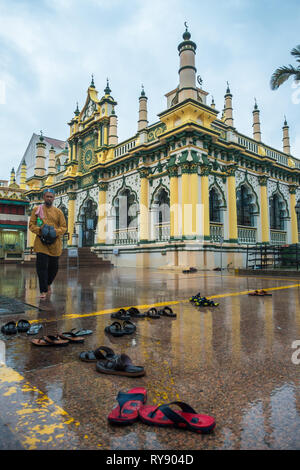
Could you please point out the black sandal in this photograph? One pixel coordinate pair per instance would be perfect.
(152, 313)
(97, 354)
(10, 328)
(135, 313)
(23, 326)
(120, 365)
(121, 315)
(167, 312)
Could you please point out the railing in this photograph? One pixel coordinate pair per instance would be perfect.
(124, 148)
(216, 231)
(278, 237)
(162, 231)
(249, 144)
(246, 235)
(283, 159)
(126, 236)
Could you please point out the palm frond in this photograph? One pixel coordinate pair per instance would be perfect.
(296, 52)
(281, 75)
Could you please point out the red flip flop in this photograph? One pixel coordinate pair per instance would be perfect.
(187, 418)
(127, 411)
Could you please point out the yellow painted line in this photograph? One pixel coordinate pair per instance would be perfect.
(34, 419)
(160, 304)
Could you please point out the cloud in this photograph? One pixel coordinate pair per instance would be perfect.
(50, 48)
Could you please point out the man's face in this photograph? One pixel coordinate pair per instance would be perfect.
(48, 199)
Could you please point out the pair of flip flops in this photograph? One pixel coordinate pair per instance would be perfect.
(190, 270)
(61, 339)
(116, 329)
(133, 312)
(165, 312)
(131, 407)
(12, 328)
(260, 292)
(202, 301)
(108, 362)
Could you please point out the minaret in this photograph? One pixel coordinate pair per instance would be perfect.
(286, 138)
(228, 118)
(187, 70)
(51, 161)
(23, 174)
(143, 111)
(113, 129)
(39, 169)
(256, 123)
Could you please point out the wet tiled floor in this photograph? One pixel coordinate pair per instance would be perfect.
(234, 362)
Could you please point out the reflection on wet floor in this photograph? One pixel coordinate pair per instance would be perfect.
(232, 362)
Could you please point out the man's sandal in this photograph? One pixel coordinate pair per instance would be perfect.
(101, 353)
(129, 403)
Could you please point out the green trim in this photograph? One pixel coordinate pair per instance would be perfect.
(19, 227)
(12, 202)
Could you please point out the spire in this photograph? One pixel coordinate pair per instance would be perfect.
(41, 136)
(228, 117)
(92, 85)
(286, 137)
(213, 105)
(187, 70)
(256, 123)
(107, 90)
(77, 112)
(143, 111)
(51, 161)
(39, 169)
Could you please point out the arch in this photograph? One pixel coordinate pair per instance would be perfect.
(215, 204)
(246, 205)
(125, 208)
(87, 219)
(278, 210)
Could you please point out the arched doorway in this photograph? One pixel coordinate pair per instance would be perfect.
(89, 223)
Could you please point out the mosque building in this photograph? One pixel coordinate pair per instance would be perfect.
(180, 190)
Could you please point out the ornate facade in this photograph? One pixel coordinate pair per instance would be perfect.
(177, 192)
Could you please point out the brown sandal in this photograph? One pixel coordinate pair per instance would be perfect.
(50, 340)
(71, 337)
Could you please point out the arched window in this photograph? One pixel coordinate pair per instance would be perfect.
(277, 213)
(163, 202)
(245, 207)
(126, 210)
(214, 206)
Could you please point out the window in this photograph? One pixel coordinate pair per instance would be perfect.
(276, 213)
(12, 209)
(214, 206)
(244, 207)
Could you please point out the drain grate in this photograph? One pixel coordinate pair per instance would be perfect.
(9, 305)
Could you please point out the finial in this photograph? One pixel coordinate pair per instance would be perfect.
(212, 100)
(200, 81)
(228, 89)
(76, 112)
(107, 90)
(143, 91)
(41, 136)
(285, 121)
(92, 85)
(186, 35)
(255, 104)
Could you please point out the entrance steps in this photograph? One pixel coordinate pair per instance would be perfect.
(86, 258)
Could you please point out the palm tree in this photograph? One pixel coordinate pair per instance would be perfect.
(282, 74)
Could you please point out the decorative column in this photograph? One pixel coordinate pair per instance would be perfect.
(189, 200)
(205, 170)
(286, 138)
(187, 70)
(256, 123)
(232, 213)
(294, 223)
(228, 117)
(23, 175)
(12, 177)
(51, 162)
(144, 205)
(102, 213)
(71, 215)
(173, 175)
(264, 210)
(113, 129)
(40, 159)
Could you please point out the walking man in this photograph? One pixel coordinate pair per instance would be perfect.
(49, 225)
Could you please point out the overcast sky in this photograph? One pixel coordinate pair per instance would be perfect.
(50, 48)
